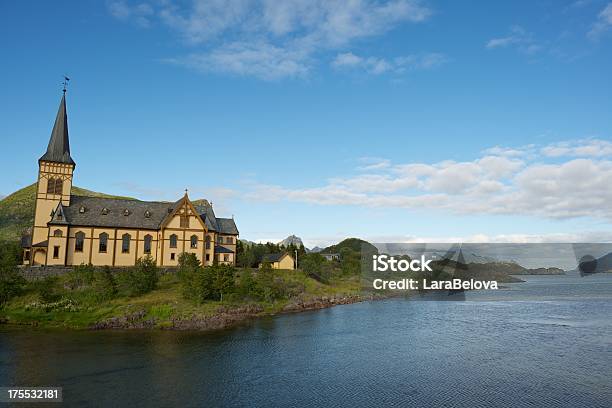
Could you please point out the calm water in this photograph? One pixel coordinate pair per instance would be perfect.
(547, 343)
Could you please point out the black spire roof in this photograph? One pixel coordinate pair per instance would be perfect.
(58, 150)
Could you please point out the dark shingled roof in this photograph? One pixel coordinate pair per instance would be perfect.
(273, 257)
(88, 211)
(222, 250)
(111, 213)
(227, 226)
(26, 241)
(58, 150)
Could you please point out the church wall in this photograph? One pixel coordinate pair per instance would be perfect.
(103, 258)
(58, 237)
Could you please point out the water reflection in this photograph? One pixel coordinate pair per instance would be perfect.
(548, 343)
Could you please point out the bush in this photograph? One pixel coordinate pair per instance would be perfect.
(80, 277)
(11, 282)
(141, 278)
(104, 285)
(47, 289)
(200, 284)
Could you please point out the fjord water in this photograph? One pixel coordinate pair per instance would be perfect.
(546, 342)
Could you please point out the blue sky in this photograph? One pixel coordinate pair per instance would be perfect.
(393, 121)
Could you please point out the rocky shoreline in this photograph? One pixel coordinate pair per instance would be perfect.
(225, 317)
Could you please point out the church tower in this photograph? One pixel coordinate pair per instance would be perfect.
(55, 170)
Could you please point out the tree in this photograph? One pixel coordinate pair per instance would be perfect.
(142, 277)
(12, 282)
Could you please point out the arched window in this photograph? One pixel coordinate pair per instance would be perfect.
(229, 240)
(57, 233)
(103, 242)
(173, 239)
(194, 241)
(59, 183)
(51, 186)
(79, 241)
(147, 244)
(220, 239)
(125, 243)
(208, 242)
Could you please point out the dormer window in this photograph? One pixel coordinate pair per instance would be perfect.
(126, 212)
(82, 210)
(104, 211)
(147, 214)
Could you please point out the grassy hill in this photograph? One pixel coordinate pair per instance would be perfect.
(354, 244)
(17, 210)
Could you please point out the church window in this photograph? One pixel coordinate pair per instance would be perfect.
(220, 240)
(226, 257)
(173, 239)
(56, 252)
(51, 186)
(184, 221)
(147, 244)
(229, 240)
(208, 242)
(207, 257)
(104, 211)
(79, 241)
(57, 233)
(194, 241)
(172, 256)
(59, 183)
(103, 244)
(125, 243)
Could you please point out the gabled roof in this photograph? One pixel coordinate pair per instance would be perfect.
(275, 257)
(58, 150)
(207, 214)
(227, 226)
(115, 212)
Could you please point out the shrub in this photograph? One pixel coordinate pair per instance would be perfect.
(80, 277)
(141, 278)
(47, 289)
(11, 282)
(104, 285)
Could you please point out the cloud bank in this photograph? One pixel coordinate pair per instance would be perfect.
(556, 181)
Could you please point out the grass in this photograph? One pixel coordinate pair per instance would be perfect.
(17, 210)
(162, 304)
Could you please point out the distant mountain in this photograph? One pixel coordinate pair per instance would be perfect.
(316, 249)
(602, 264)
(17, 210)
(354, 244)
(246, 242)
(292, 239)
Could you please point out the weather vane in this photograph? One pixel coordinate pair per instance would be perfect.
(65, 83)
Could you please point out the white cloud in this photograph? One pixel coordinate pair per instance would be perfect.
(492, 184)
(581, 148)
(261, 60)
(282, 38)
(397, 65)
(603, 23)
(518, 38)
(139, 13)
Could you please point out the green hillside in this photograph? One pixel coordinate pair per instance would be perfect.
(17, 210)
(354, 244)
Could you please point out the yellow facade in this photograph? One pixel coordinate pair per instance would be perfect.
(285, 261)
(56, 240)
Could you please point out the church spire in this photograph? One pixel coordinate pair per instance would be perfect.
(58, 150)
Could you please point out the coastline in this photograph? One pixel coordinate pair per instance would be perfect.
(225, 316)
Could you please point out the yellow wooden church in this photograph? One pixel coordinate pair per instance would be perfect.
(72, 230)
